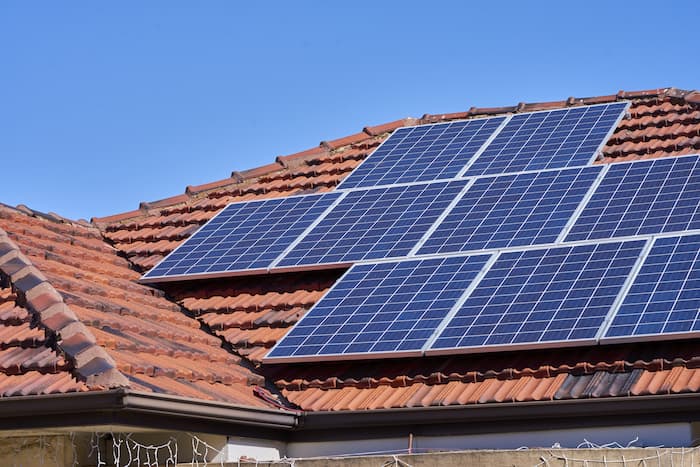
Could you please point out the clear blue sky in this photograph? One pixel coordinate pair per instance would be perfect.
(106, 104)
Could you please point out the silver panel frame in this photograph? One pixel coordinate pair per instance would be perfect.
(622, 116)
(582, 205)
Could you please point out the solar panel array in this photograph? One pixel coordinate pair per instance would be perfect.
(512, 210)
(243, 237)
(391, 307)
(373, 224)
(562, 252)
(665, 296)
(646, 197)
(423, 153)
(545, 140)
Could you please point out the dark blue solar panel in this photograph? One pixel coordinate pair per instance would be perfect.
(244, 236)
(665, 295)
(542, 296)
(374, 224)
(383, 307)
(638, 198)
(548, 140)
(423, 153)
(512, 210)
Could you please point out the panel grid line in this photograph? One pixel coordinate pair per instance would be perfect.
(625, 288)
(458, 304)
(307, 230)
(582, 205)
(483, 147)
(441, 218)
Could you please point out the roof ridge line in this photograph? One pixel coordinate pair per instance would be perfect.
(91, 361)
(328, 147)
(49, 216)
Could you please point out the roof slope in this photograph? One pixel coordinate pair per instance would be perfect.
(28, 363)
(96, 327)
(250, 314)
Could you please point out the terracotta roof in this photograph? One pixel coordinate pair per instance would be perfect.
(173, 344)
(627, 370)
(71, 304)
(28, 363)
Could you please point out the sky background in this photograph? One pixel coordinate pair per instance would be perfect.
(104, 105)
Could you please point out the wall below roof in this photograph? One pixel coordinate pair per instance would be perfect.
(682, 457)
(100, 448)
(36, 450)
(665, 440)
(667, 434)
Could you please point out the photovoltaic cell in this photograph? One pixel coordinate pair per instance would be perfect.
(244, 236)
(423, 153)
(542, 296)
(378, 308)
(512, 210)
(647, 197)
(665, 295)
(374, 224)
(545, 140)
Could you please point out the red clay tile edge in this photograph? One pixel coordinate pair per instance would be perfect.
(92, 363)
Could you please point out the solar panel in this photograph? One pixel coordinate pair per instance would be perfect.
(646, 197)
(373, 224)
(664, 299)
(512, 210)
(552, 139)
(375, 309)
(243, 236)
(423, 153)
(536, 297)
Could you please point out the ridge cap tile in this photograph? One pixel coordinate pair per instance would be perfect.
(114, 218)
(258, 171)
(40, 296)
(346, 140)
(295, 159)
(170, 201)
(196, 189)
(377, 130)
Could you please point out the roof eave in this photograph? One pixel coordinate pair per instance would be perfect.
(122, 407)
(141, 410)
